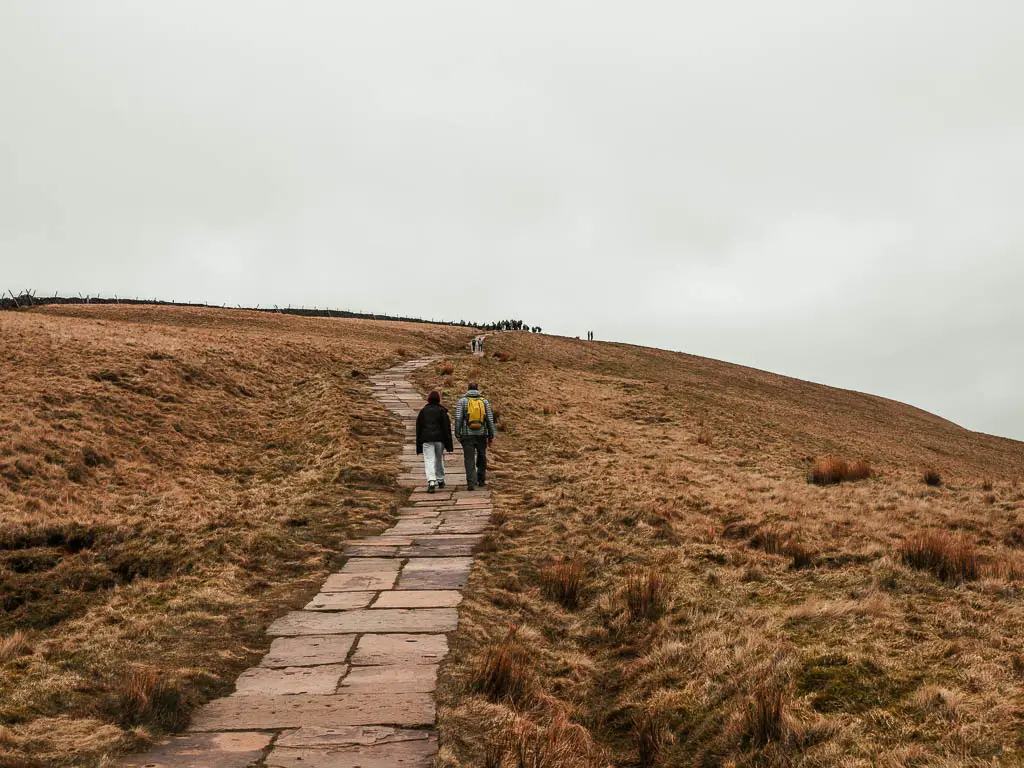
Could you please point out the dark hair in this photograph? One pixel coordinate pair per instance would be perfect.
(473, 385)
(434, 397)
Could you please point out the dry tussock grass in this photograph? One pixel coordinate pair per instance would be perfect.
(14, 645)
(170, 480)
(832, 471)
(652, 735)
(647, 594)
(950, 558)
(757, 659)
(704, 436)
(505, 671)
(563, 582)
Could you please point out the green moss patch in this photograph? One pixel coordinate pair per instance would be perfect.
(835, 683)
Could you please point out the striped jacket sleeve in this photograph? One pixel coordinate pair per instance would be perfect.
(490, 419)
(460, 414)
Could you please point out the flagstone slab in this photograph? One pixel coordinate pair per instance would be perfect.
(383, 541)
(245, 713)
(412, 526)
(308, 651)
(366, 620)
(449, 538)
(418, 513)
(425, 598)
(371, 566)
(353, 735)
(440, 550)
(261, 681)
(366, 550)
(203, 750)
(411, 754)
(359, 582)
(434, 564)
(391, 678)
(340, 601)
(432, 580)
(464, 528)
(435, 573)
(399, 649)
(423, 496)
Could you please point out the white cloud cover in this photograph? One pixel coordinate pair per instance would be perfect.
(827, 190)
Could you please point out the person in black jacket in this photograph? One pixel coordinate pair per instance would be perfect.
(433, 438)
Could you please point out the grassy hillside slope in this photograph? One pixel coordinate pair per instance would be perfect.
(666, 588)
(170, 481)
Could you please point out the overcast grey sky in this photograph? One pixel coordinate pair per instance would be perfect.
(831, 189)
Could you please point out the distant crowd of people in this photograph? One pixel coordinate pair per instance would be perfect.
(510, 325)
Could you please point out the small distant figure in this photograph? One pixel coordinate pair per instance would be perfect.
(474, 428)
(433, 438)
(472, 345)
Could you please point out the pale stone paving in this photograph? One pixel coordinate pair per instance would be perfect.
(349, 680)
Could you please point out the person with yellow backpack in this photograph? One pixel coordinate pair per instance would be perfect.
(474, 428)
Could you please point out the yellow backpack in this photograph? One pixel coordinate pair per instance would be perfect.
(476, 413)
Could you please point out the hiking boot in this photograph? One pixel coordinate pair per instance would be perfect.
(431, 486)
(470, 487)
(440, 483)
(481, 483)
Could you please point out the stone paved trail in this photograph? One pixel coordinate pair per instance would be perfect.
(348, 681)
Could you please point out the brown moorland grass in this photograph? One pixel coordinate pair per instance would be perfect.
(171, 480)
(861, 660)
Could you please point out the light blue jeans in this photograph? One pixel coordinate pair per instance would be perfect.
(433, 461)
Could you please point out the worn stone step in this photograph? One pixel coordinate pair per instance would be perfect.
(366, 620)
(374, 650)
(246, 713)
(391, 678)
(340, 601)
(308, 651)
(423, 598)
(204, 750)
(359, 582)
(261, 681)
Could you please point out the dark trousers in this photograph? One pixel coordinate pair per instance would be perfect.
(474, 452)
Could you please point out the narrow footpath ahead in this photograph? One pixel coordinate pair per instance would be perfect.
(349, 680)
